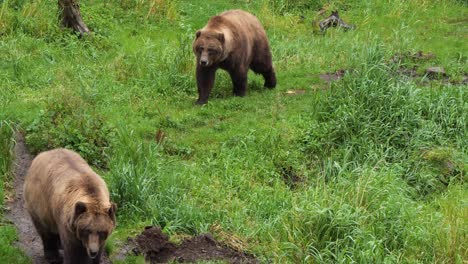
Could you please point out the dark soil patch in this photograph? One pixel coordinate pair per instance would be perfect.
(155, 245)
(291, 177)
(157, 248)
(29, 240)
(409, 71)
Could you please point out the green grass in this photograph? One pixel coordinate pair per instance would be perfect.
(379, 158)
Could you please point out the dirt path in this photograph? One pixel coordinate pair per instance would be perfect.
(29, 240)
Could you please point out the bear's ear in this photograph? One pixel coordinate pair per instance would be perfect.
(80, 208)
(198, 33)
(221, 37)
(111, 211)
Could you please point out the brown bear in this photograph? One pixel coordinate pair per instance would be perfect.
(70, 207)
(236, 42)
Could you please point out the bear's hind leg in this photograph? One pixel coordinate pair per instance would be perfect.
(262, 64)
(267, 71)
(270, 79)
(239, 82)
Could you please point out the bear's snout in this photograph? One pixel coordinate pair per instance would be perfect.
(204, 59)
(93, 246)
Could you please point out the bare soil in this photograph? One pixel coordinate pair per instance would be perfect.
(29, 241)
(156, 247)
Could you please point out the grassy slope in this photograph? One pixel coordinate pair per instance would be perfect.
(370, 193)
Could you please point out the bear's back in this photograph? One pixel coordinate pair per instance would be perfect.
(244, 23)
(57, 179)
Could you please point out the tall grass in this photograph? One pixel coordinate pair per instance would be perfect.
(375, 118)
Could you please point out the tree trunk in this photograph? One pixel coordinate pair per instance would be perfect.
(70, 16)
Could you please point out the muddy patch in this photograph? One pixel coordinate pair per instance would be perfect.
(156, 247)
(332, 76)
(29, 241)
(413, 56)
(436, 73)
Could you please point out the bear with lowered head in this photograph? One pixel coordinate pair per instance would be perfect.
(234, 41)
(70, 207)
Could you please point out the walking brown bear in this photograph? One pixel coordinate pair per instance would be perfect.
(70, 207)
(236, 42)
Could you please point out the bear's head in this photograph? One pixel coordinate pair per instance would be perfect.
(92, 227)
(209, 47)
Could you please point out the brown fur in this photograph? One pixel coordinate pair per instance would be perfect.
(70, 207)
(236, 42)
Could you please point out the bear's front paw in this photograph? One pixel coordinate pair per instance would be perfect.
(201, 102)
(53, 258)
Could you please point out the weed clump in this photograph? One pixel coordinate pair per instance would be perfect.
(65, 123)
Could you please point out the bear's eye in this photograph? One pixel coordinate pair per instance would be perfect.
(85, 232)
(212, 51)
(102, 235)
(200, 49)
